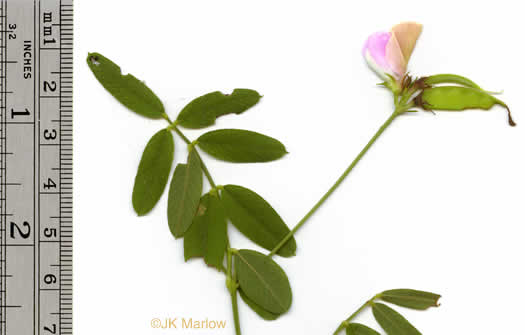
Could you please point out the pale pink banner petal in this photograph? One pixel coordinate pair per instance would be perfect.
(395, 58)
(407, 34)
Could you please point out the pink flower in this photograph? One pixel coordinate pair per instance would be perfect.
(387, 53)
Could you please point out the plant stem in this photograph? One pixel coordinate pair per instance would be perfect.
(206, 171)
(173, 126)
(231, 283)
(235, 309)
(231, 279)
(336, 184)
(181, 135)
(345, 323)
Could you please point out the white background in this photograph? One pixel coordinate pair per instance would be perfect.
(436, 205)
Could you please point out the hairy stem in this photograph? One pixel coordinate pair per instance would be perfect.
(336, 184)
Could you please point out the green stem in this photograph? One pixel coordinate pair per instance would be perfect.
(181, 135)
(235, 309)
(231, 283)
(345, 323)
(231, 280)
(206, 171)
(173, 127)
(336, 184)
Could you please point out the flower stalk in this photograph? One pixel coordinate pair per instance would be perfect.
(338, 182)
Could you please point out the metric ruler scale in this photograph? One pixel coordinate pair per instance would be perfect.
(36, 110)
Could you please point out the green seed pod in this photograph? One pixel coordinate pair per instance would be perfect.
(457, 98)
(447, 78)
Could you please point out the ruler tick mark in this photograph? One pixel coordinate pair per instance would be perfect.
(26, 162)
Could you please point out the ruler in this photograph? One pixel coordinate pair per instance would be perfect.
(36, 76)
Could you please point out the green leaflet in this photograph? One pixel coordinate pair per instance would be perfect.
(196, 237)
(127, 89)
(184, 194)
(258, 309)
(359, 329)
(241, 146)
(202, 111)
(153, 172)
(263, 281)
(411, 298)
(217, 233)
(256, 219)
(207, 235)
(391, 321)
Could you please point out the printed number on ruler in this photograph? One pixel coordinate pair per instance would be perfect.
(36, 110)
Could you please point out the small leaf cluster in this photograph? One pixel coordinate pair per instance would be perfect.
(390, 320)
(201, 217)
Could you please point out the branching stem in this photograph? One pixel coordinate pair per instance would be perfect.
(173, 126)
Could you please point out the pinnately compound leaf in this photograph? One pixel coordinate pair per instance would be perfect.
(202, 111)
(184, 194)
(258, 309)
(263, 281)
(241, 146)
(256, 219)
(153, 172)
(207, 235)
(127, 89)
(411, 298)
(392, 322)
(359, 329)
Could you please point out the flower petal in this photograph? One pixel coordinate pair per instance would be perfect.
(407, 34)
(373, 65)
(395, 58)
(376, 47)
(374, 52)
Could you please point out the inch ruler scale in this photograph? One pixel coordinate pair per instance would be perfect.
(36, 110)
